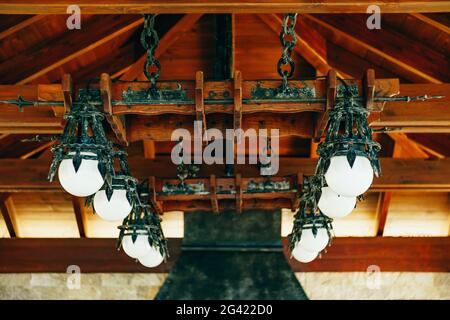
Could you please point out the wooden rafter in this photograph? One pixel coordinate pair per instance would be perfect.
(80, 215)
(170, 37)
(9, 215)
(345, 39)
(81, 46)
(425, 254)
(217, 6)
(21, 25)
(398, 174)
(432, 22)
(37, 150)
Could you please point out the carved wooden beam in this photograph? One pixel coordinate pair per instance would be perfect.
(217, 6)
(116, 123)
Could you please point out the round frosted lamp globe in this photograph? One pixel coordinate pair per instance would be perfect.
(152, 259)
(303, 255)
(335, 206)
(86, 181)
(117, 208)
(137, 249)
(349, 181)
(314, 243)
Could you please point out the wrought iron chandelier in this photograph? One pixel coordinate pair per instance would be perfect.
(345, 169)
(85, 160)
(312, 231)
(89, 165)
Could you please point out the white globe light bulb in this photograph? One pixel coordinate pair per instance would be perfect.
(334, 205)
(117, 208)
(349, 181)
(314, 243)
(152, 259)
(86, 181)
(303, 255)
(137, 249)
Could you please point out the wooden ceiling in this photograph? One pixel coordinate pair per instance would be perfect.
(37, 48)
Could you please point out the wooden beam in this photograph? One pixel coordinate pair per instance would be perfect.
(149, 149)
(426, 254)
(199, 102)
(408, 148)
(432, 22)
(434, 113)
(213, 194)
(217, 6)
(418, 116)
(384, 201)
(322, 118)
(237, 96)
(437, 145)
(9, 214)
(37, 150)
(117, 124)
(80, 47)
(350, 41)
(80, 215)
(398, 174)
(353, 254)
(170, 37)
(21, 25)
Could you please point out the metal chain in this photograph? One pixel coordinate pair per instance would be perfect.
(150, 41)
(288, 39)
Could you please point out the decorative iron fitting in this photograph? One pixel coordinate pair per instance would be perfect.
(305, 92)
(150, 96)
(268, 186)
(197, 188)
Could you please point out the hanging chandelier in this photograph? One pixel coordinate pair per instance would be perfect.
(85, 160)
(345, 169)
(141, 235)
(83, 155)
(312, 231)
(348, 155)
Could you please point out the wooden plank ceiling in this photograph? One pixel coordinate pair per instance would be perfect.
(414, 47)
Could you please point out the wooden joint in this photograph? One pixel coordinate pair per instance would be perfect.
(237, 119)
(116, 123)
(157, 206)
(369, 88)
(199, 101)
(67, 89)
(238, 184)
(322, 120)
(213, 193)
(298, 194)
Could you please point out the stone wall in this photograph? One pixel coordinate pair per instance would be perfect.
(318, 285)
